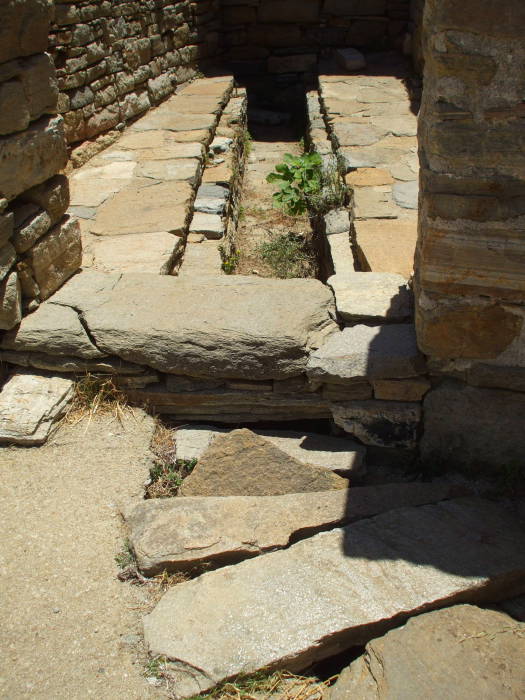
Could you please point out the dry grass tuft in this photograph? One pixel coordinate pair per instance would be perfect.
(281, 685)
(168, 472)
(96, 394)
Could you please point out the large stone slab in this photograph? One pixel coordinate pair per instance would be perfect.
(242, 463)
(30, 405)
(372, 296)
(178, 534)
(373, 352)
(460, 652)
(342, 456)
(225, 327)
(335, 590)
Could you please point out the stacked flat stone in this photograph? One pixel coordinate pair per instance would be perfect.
(39, 247)
(117, 59)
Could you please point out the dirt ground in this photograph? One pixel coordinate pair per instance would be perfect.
(70, 628)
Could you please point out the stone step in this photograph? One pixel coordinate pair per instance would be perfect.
(334, 591)
(31, 406)
(371, 297)
(180, 534)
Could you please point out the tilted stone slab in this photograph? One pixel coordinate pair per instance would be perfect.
(339, 455)
(371, 296)
(334, 591)
(242, 463)
(216, 327)
(460, 652)
(178, 534)
(373, 352)
(30, 406)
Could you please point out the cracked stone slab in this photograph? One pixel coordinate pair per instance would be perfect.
(55, 328)
(342, 456)
(178, 534)
(30, 406)
(241, 463)
(372, 296)
(335, 590)
(371, 352)
(255, 328)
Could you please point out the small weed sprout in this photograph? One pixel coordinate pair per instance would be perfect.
(125, 557)
(229, 260)
(286, 255)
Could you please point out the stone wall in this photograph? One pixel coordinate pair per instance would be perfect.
(39, 246)
(470, 266)
(272, 36)
(117, 59)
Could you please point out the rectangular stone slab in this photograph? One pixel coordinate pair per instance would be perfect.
(237, 327)
(335, 590)
(179, 534)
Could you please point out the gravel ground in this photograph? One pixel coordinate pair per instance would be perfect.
(70, 629)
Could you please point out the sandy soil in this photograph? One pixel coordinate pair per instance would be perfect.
(70, 629)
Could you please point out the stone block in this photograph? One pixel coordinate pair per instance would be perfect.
(7, 259)
(393, 424)
(56, 257)
(52, 195)
(367, 352)
(372, 296)
(32, 156)
(474, 429)
(299, 63)
(293, 11)
(31, 223)
(24, 28)
(6, 227)
(400, 389)
(211, 225)
(350, 59)
(10, 302)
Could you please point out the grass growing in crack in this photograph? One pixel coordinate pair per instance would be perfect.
(126, 556)
(286, 254)
(96, 394)
(229, 260)
(167, 472)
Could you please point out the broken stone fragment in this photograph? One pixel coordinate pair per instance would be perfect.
(380, 423)
(241, 463)
(179, 534)
(372, 296)
(340, 455)
(30, 406)
(460, 652)
(339, 589)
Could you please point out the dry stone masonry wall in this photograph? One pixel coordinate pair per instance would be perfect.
(470, 265)
(39, 246)
(117, 59)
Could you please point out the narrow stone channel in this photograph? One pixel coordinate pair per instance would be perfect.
(262, 224)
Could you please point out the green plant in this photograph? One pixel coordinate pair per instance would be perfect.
(126, 556)
(166, 477)
(297, 177)
(229, 260)
(247, 142)
(285, 253)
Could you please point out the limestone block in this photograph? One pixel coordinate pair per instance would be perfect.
(10, 302)
(6, 227)
(338, 590)
(7, 259)
(14, 112)
(24, 28)
(177, 534)
(211, 225)
(56, 257)
(31, 223)
(30, 406)
(52, 195)
(32, 156)
(436, 655)
(371, 296)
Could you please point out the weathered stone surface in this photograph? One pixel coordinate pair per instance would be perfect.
(211, 225)
(342, 456)
(177, 534)
(58, 327)
(179, 169)
(6, 227)
(39, 152)
(30, 405)
(400, 389)
(136, 252)
(257, 329)
(7, 259)
(350, 59)
(10, 302)
(369, 177)
(380, 423)
(338, 589)
(56, 256)
(374, 352)
(470, 427)
(371, 296)
(243, 463)
(374, 203)
(405, 194)
(292, 64)
(24, 28)
(160, 207)
(30, 229)
(387, 245)
(440, 654)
